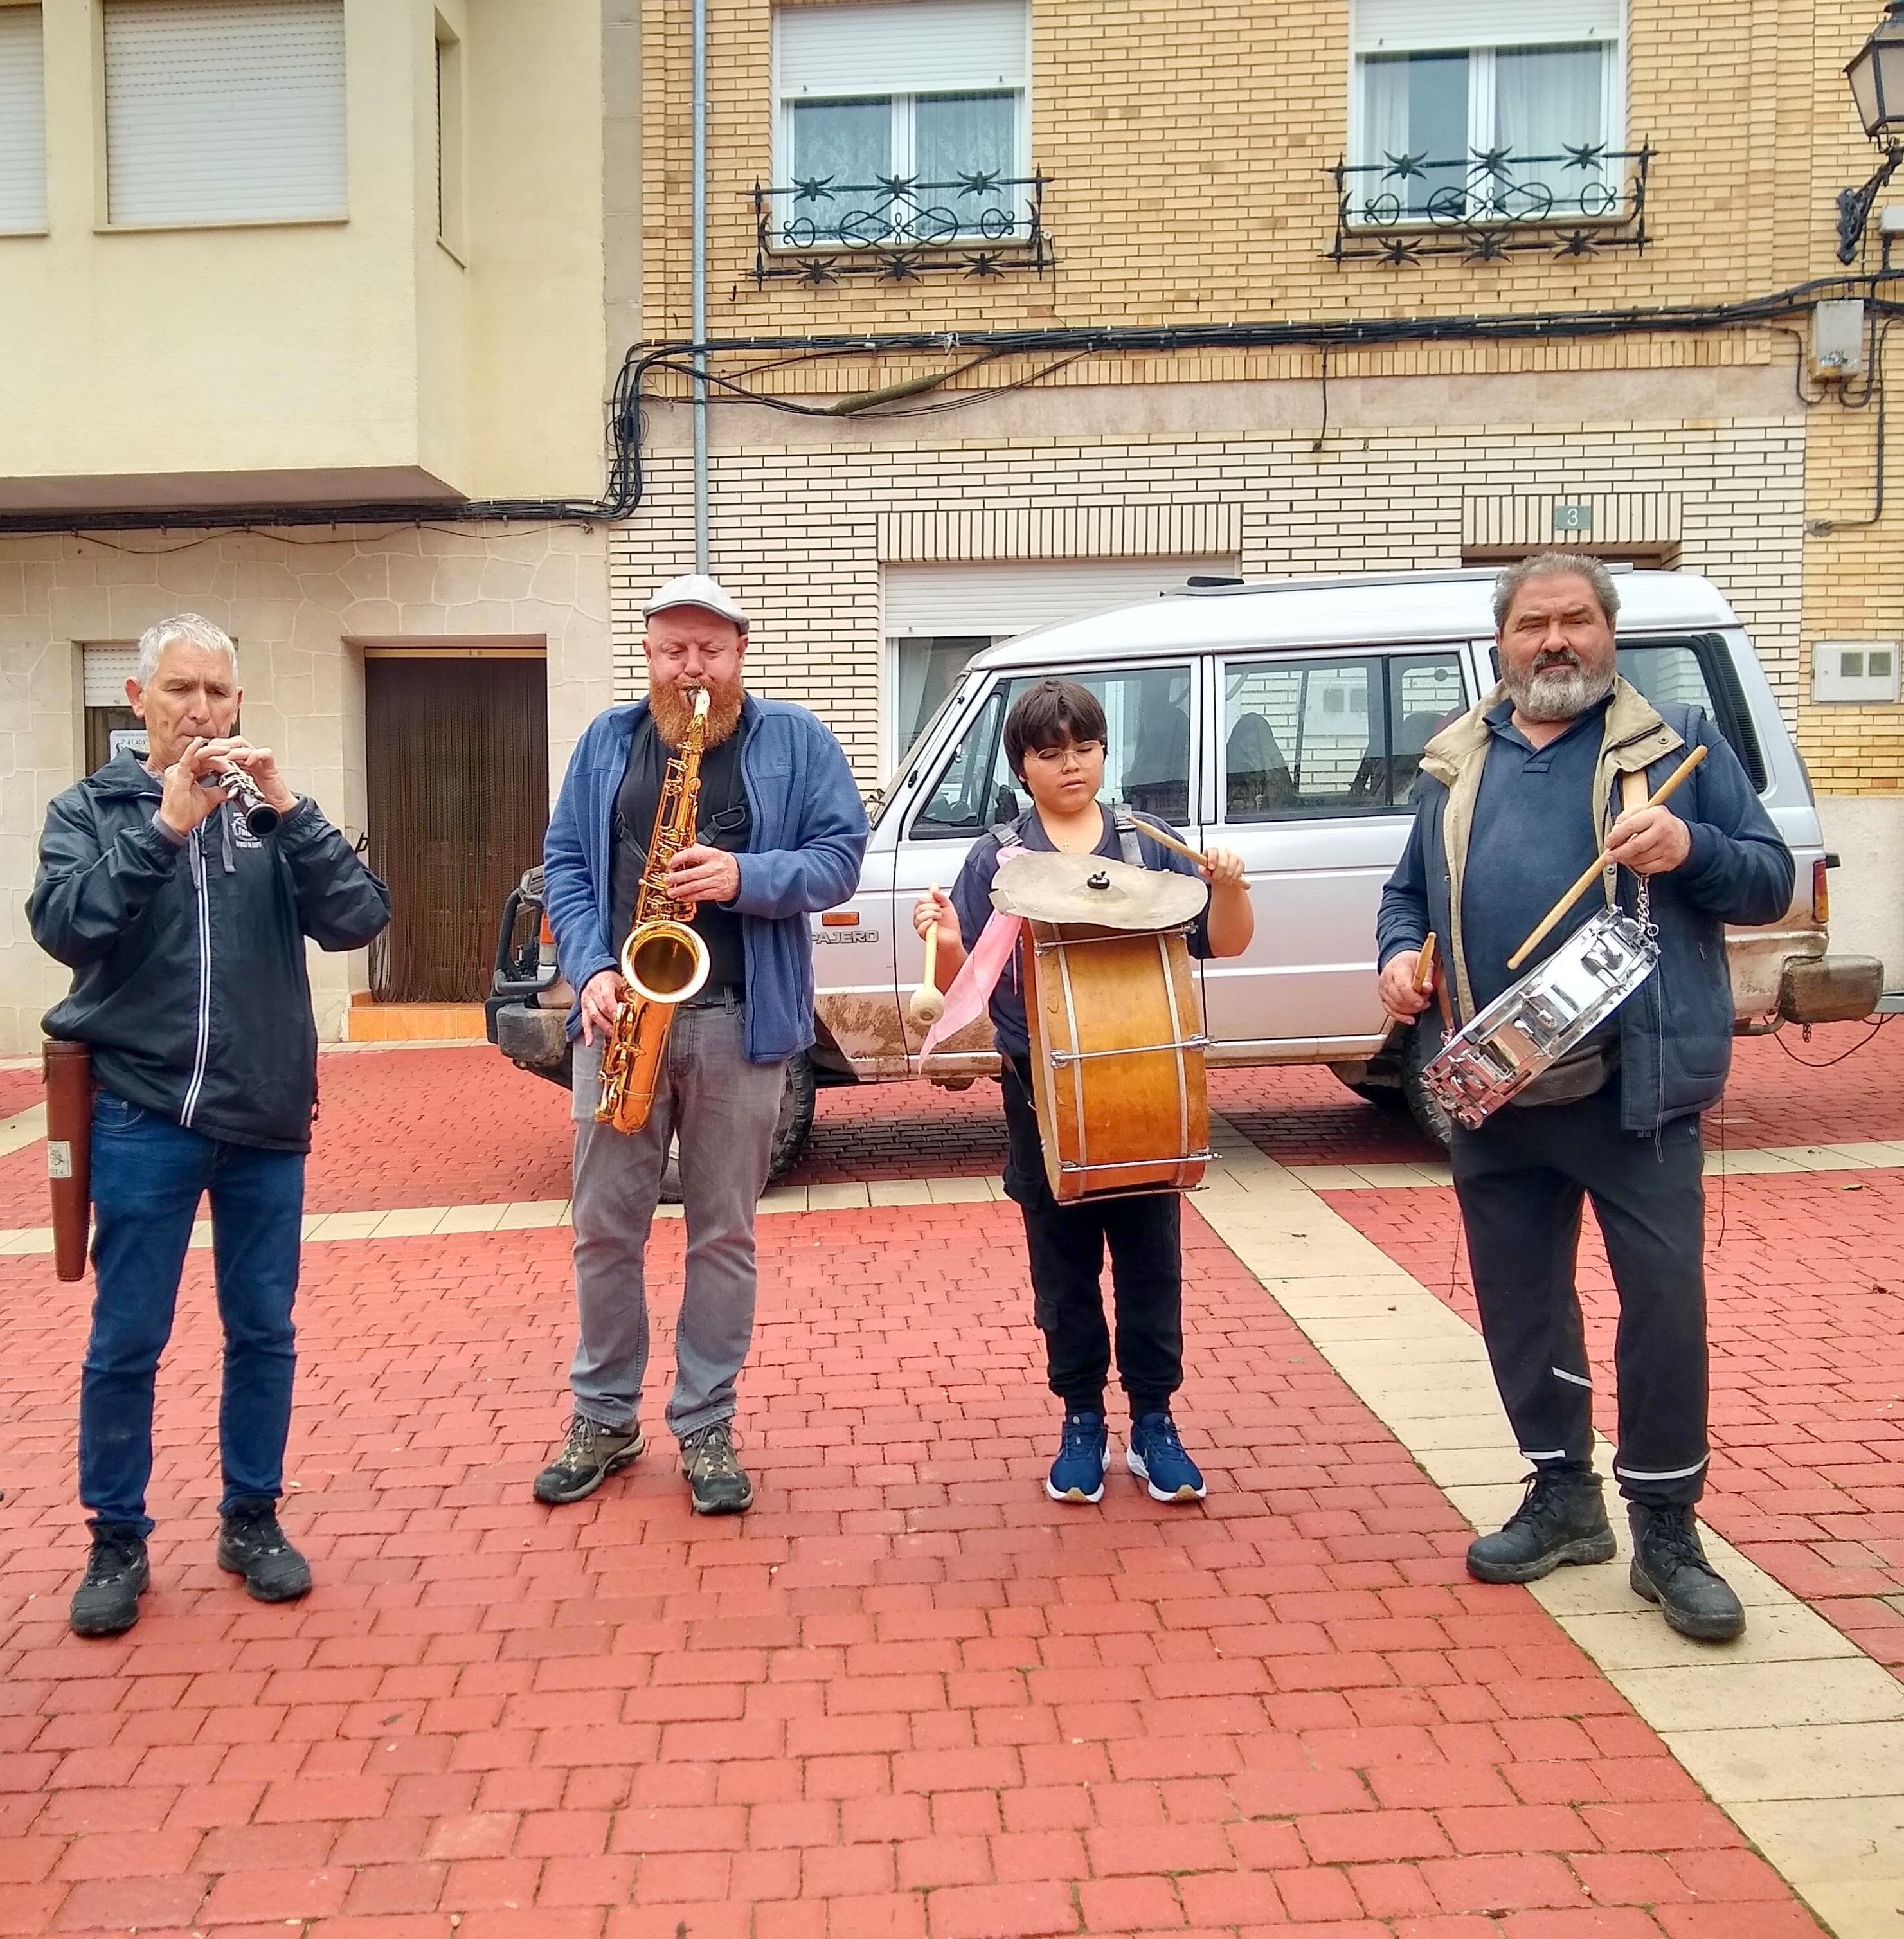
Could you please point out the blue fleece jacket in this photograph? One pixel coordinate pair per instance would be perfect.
(807, 836)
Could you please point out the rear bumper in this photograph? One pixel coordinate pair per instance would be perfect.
(535, 1039)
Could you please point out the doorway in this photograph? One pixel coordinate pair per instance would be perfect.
(457, 800)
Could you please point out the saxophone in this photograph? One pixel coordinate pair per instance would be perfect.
(663, 961)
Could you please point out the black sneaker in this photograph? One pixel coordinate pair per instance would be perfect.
(715, 1480)
(106, 1602)
(1670, 1568)
(250, 1544)
(1561, 1518)
(589, 1457)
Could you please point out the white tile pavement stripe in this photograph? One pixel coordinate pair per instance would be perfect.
(1795, 1732)
(24, 1128)
(412, 1222)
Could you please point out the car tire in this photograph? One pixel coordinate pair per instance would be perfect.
(1383, 1097)
(1417, 1053)
(790, 1130)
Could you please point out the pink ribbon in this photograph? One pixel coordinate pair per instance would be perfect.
(978, 975)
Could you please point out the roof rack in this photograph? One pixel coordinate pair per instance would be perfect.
(1196, 588)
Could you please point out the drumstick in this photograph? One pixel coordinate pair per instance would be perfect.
(1599, 862)
(1171, 842)
(926, 1006)
(1425, 963)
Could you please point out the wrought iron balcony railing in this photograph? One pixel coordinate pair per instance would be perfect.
(897, 228)
(1491, 203)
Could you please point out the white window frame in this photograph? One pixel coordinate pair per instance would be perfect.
(902, 146)
(1481, 101)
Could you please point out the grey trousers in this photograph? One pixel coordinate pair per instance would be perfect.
(723, 1109)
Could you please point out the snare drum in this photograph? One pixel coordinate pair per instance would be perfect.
(1552, 1010)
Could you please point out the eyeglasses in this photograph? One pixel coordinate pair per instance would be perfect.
(1082, 753)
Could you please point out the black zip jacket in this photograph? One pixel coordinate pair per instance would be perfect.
(188, 958)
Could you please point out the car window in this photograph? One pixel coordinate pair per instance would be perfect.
(1333, 735)
(1146, 758)
(1697, 672)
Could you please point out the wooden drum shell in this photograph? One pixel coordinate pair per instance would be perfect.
(1113, 1125)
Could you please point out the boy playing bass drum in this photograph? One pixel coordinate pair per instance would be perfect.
(1054, 739)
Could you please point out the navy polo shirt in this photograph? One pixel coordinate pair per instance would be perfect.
(1535, 829)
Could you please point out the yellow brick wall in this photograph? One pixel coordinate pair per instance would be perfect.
(1187, 141)
(797, 534)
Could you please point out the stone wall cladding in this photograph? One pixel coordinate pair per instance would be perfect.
(292, 602)
(797, 534)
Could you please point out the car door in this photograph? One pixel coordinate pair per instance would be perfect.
(1150, 746)
(1315, 757)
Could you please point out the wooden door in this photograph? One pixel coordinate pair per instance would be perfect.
(457, 800)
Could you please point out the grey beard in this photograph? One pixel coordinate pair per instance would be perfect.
(1557, 693)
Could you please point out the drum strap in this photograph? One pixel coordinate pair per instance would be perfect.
(1128, 827)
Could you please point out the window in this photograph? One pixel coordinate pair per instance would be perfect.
(901, 124)
(224, 111)
(110, 722)
(1483, 110)
(927, 671)
(1698, 672)
(22, 122)
(1305, 738)
(449, 138)
(1146, 754)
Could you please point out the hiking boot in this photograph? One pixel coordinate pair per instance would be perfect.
(1083, 1453)
(589, 1457)
(1155, 1454)
(106, 1602)
(1561, 1518)
(1670, 1568)
(250, 1544)
(715, 1480)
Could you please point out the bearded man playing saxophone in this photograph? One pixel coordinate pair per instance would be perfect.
(781, 830)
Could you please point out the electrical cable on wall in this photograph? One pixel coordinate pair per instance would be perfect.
(1060, 347)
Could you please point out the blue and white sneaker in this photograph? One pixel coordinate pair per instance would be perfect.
(1077, 1474)
(1156, 1455)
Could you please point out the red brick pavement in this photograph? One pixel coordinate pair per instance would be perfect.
(20, 1091)
(906, 1698)
(1805, 1298)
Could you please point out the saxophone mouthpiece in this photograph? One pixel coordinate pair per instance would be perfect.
(701, 703)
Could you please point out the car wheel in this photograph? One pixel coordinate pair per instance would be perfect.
(796, 1117)
(1417, 1054)
(1383, 1097)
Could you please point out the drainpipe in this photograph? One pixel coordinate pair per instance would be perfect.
(700, 279)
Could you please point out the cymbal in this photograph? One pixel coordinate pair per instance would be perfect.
(1049, 887)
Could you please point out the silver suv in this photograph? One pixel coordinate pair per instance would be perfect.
(1286, 721)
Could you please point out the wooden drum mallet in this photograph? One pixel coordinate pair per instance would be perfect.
(926, 1006)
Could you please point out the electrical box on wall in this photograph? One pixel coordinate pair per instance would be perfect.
(1855, 670)
(1838, 338)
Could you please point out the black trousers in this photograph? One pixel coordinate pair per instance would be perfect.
(1067, 1245)
(1521, 1179)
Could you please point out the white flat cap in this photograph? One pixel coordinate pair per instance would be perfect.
(697, 589)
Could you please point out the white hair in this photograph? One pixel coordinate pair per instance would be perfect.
(191, 629)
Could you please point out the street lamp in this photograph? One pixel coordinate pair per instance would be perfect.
(1876, 75)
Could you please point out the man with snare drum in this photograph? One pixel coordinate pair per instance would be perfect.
(1513, 803)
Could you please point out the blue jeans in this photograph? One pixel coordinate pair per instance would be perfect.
(148, 1174)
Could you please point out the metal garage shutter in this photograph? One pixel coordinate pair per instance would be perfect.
(23, 121)
(1001, 599)
(224, 111)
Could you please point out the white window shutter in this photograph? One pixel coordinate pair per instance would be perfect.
(1002, 598)
(107, 668)
(224, 111)
(901, 46)
(1395, 26)
(23, 121)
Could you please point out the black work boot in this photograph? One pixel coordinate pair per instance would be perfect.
(1561, 1519)
(586, 1458)
(1670, 1568)
(717, 1482)
(106, 1602)
(250, 1544)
